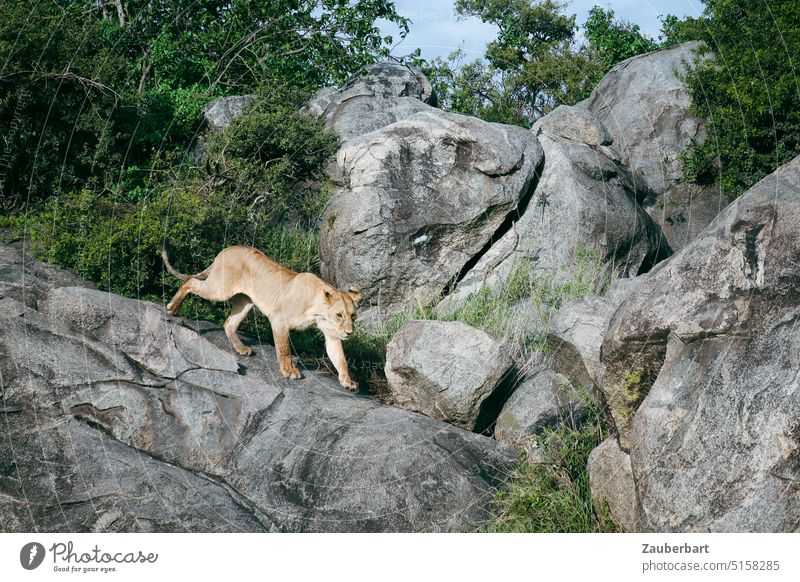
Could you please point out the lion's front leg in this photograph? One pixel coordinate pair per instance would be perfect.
(284, 352)
(333, 345)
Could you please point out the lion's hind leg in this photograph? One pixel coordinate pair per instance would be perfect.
(174, 305)
(240, 307)
(205, 288)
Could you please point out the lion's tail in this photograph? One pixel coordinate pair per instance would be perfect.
(202, 275)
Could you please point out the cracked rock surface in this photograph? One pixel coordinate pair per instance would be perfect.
(585, 202)
(646, 108)
(116, 418)
(701, 372)
(417, 200)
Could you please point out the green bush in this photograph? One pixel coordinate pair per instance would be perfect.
(269, 193)
(552, 494)
(265, 153)
(116, 244)
(748, 91)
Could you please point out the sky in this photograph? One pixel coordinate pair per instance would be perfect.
(437, 31)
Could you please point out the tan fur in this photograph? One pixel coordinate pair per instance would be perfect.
(248, 277)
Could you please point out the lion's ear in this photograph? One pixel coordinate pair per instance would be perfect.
(327, 296)
(355, 294)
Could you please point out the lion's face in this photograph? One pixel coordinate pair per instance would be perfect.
(339, 311)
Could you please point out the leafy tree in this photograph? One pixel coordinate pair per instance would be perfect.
(747, 90)
(675, 31)
(614, 41)
(108, 93)
(473, 88)
(528, 35)
(59, 84)
(536, 62)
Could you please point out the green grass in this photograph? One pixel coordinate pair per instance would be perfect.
(552, 494)
(497, 310)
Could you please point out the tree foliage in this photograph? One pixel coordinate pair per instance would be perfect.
(107, 94)
(614, 41)
(536, 62)
(270, 157)
(528, 35)
(747, 88)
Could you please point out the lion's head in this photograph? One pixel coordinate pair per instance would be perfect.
(339, 311)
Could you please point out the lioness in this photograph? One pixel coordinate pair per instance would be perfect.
(290, 300)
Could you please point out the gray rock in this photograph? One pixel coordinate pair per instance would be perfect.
(612, 485)
(121, 419)
(63, 476)
(574, 336)
(645, 107)
(418, 199)
(221, 111)
(576, 124)
(544, 399)
(575, 333)
(701, 371)
(385, 93)
(583, 206)
(218, 115)
(449, 371)
(138, 329)
(26, 280)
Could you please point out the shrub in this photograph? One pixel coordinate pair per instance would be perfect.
(552, 494)
(748, 92)
(263, 156)
(115, 244)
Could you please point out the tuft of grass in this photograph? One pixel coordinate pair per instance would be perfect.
(549, 492)
(514, 310)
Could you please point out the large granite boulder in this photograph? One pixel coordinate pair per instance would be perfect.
(701, 371)
(386, 92)
(575, 333)
(449, 371)
(583, 213)
(418, 200)
(118, 418)
(645, 106)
